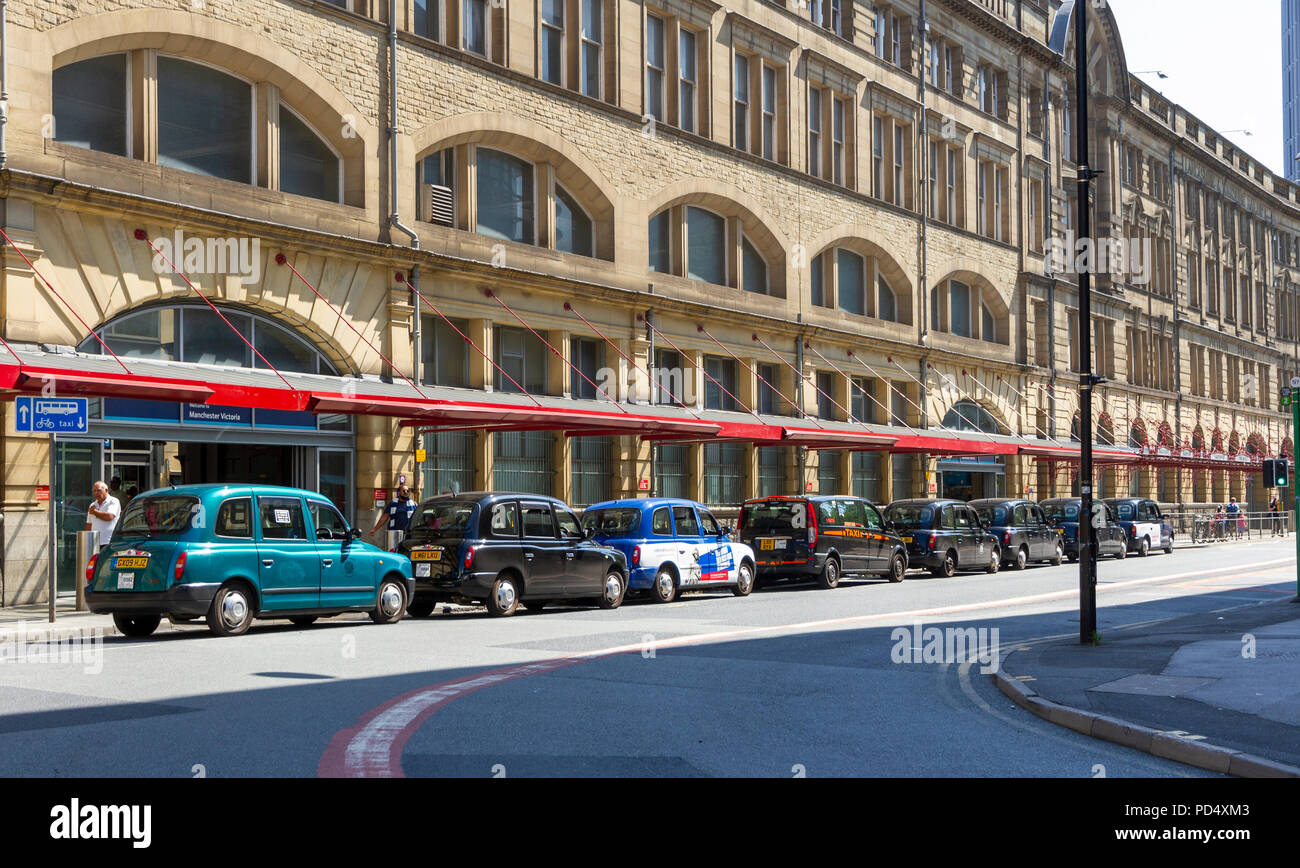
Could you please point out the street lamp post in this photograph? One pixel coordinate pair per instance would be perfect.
(1087, 547)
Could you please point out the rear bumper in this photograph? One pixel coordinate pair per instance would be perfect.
(189, 598)
(780, 566)
(473, 586)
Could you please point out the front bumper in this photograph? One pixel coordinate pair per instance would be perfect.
(187, 598)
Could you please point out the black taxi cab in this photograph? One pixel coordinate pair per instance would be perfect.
(944, 536)
(821, 537)
(1022, 529)
(1063, 513)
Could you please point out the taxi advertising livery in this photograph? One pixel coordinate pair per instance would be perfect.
(672, 545)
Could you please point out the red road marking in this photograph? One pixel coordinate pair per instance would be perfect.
(373, 747)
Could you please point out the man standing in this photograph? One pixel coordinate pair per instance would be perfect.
(1233, 511)
(398, 512)
(102, 513)
(1275, 513)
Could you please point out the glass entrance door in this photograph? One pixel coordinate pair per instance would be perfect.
(77, 466)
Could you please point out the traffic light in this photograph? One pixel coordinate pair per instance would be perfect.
(1276, 472)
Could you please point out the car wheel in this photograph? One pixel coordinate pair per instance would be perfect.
(1072, 557)
(897, 569)
(420, 608)
(535, 605)
(615, 588)
(504, 596)
(995, 562)
(136, 626)
(1169, 549)
(1123, 552)
(1060, 554)
(948, 568)
(1144, 546)
(1022, 559)
(744, 580)
(231, 612)
(303, 620)
(390, 605)
(830, 575)
(664, 590)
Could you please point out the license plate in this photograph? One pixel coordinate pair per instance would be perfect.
(131, 563)
(126, 581)
(422, 571)
(766, 545)
(906, 539)
(427, 555)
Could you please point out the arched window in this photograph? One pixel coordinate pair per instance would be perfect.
(886, 301)
(852, 279)
(308, 165)
(205, 120)
(966, 310)
(970, 416)
(573, 228)
(505, 197)
(1137, 436)
(754, 268)
(90, 104)
(850, 287)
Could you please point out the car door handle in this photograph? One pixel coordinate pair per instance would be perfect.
(528, 556)
(328, 562)
(267, 562)
(568, 556)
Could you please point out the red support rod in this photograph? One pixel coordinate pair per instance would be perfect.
(798, 410)
(84, 325)
(684, 355)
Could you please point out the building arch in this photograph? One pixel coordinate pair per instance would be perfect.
(894, 275)
(743, 219)
(990, 318)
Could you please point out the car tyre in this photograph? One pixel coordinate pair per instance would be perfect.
(830, 575)
(664, 590)
(1072, 557)
(420, 608)
(390, 604)
(1123, 552)
(1169, 549)
(1144, 546)
(1022, 559)
(1059, 556)
(535, 605)
(947, 569)
(231, 612)
(614, 590)
(744, 580)
(136, 626)
(995, 561)
(303, 620)
(503, 599)
(897, 569)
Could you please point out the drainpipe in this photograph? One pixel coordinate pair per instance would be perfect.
(4, 81)
(394, 218)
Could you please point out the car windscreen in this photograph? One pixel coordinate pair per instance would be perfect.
(612, 521)
(996, 516)
(909, 514)
(772, 516)
(160, 515)
(1067, 511)
(442, 518)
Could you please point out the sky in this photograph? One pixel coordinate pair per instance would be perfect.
(1223, 59)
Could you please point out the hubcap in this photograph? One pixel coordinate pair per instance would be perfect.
(505, 594)
(665, 584)
(746, 579)
(613, 587)
(390, 600)
(234, 608)
(898, 566)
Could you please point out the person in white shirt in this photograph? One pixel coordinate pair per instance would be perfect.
(102, 513)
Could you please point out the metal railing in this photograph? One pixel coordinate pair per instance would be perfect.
(1207, 526)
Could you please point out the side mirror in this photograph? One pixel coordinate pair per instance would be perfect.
(355, 533)
(726, 530)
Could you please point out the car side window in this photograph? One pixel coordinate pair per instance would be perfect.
(828, 514)
(687, 525)
(660, 523)
(709, 523)
(962, 519)
(537, 521)
(327, 520)
(1148, 511)
(503, 519)
(1020, 516)
(234, 518)
(852, 514)
(281, 518)
(570, 527)
(948, 521)
(1036, 516)
(873, 518)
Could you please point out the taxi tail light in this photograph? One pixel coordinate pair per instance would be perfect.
(469, 557)
(1133, 530)
(179, 570)
(636, 556)
(90, 568)
(1006, 537)
(931, 542)
(812, 525)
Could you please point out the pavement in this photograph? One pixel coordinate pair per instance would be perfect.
(1217, 690)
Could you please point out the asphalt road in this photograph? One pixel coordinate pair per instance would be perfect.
(790, 681)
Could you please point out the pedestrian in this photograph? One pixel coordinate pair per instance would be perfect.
(1275, 513)
(1220, 523)
(398, 512)
(102, 513)
(1233, 513)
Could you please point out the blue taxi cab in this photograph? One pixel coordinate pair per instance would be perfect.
(233, 553)
(672, 545)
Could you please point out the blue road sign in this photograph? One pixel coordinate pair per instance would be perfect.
(50, 415)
